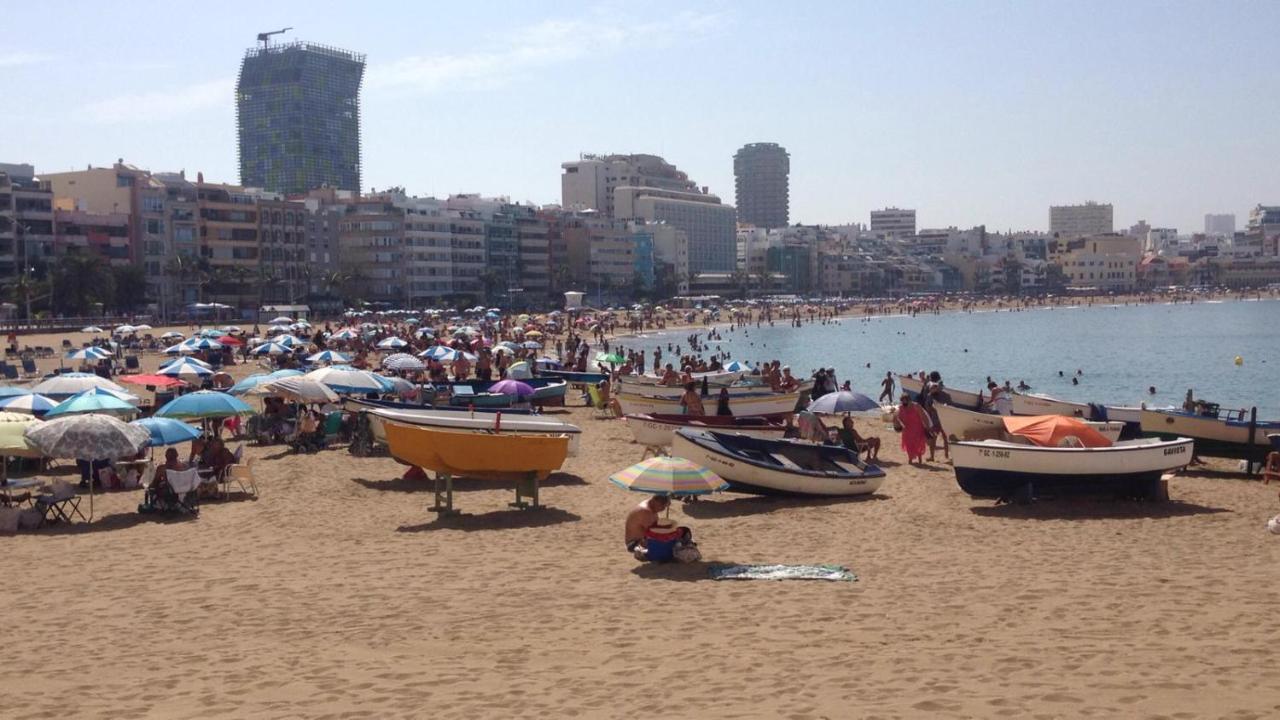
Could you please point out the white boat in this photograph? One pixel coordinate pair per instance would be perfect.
(964, 424)
(959, 398)
(657, 430)
(713, 391)
(714, 377)
(786, 467)
(472, 423)
(1007, 470)
(741, 406)
(1216, 434)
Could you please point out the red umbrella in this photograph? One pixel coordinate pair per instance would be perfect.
(152, 380)
(230, 340)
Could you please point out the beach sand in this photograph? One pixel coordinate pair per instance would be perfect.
(337, 594)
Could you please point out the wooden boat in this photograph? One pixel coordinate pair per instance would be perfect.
(466, 423)
(741, 406)
(778, 467)
(358, 405)
(962, 424)
(1032, 404)
(1006, 470)
(479, 455)
(548, 391)
(577, 378)
(740, 388)
(715, 377)
(657, 430)
(960, 398)
(1217, 434)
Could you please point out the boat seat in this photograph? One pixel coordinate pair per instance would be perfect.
(848, 467)
(785, 461)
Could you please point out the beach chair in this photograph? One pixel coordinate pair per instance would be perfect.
(332, 427)
(242, 475)
(599, 401)
(29, 368)
(66, 344)
(10, 372)
(60, 504)
(131, 362)
(180, 494)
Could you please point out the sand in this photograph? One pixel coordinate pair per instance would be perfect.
(337, 594)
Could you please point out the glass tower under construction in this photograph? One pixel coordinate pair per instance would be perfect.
(298, 116)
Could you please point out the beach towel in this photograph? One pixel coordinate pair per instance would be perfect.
(781, 572)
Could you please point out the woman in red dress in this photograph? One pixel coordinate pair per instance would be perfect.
(914, 424)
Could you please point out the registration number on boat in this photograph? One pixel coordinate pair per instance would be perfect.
(1179, 450)
(995, 453)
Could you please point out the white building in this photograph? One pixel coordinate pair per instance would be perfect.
(589, 183)
(1220, 224)
(1106, 262)
(893, 222)
(711, 227)
(1091, 218)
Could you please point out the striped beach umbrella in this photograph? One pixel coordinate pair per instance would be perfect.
(89, 353)
(202, 344)
(392, 343)
(185, 370)
(328, 356)
(664, 475)
(271, 348)
(29, 404)
(185, 361)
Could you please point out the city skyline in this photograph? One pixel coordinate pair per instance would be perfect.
(990, 131)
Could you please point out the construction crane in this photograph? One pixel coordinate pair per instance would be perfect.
(265, 38)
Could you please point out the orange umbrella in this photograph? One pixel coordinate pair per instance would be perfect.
(1054, 431)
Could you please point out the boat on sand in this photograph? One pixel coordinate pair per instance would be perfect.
(657, 430)
(778, 467)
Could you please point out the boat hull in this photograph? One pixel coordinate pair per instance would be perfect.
(959, 398)
(719, 377)
(741, 406)
(446, 421)
(964, 424)
(1214, 437)
(657, 431)
(498, 456)
(1001, 470)
(752, 478)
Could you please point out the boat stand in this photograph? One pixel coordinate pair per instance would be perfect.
(444, 508)
(527, 487)
(653, 451)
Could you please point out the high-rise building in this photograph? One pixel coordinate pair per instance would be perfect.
(712, 228)
(1220, 224)
(298, 117)
(760, 173)
(893, 222)
(1090, 218)
(26, 220)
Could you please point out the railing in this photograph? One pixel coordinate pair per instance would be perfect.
(67, 324)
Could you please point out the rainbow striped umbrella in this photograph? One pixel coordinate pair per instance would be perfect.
(665, 475)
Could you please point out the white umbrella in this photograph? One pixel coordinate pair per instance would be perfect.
(185, 361)
(68, 384)
(402, 361)
(91, 329)
(172, 335)
(185, 370)
(282, 320)
(346, 379)
(299, 389)
(392, 343)
(271, 348)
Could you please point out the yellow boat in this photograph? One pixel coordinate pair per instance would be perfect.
(482, 455)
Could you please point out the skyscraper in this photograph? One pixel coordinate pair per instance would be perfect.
(298, 116)
(760, 178)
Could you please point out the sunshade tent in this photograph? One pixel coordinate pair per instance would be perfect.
(167, 431)
(93, 436)
(665, 475)
(1055, 431)
(93, 400)
(68, 384)
(202, 405)
(843, 402)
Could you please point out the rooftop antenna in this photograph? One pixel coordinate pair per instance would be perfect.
(265, 37)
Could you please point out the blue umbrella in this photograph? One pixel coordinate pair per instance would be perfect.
(254, 381)
(11, 391)
(176, 362)
(329, 356)
(202, 344)
(185, 370)
(271, 348)
(438, 352)
(29, 404)
(203, 404)
(736, 366)
(95, 400)
(89, 353)
(843, 402)
(167, 431)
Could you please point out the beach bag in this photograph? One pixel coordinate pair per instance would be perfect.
(9, 520)
(687, 553)
(1274, 525)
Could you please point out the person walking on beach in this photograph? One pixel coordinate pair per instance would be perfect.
(888, 384)
(691, 400)
(913, 423)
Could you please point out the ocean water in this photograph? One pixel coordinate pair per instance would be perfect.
(1121, 350)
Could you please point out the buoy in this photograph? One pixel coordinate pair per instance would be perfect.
(1239, 360)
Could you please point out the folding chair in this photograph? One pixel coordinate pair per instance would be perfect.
(178, 496)
(61, 504)
(131, 362)
(242, 475)
(599, 401)
(29, 368)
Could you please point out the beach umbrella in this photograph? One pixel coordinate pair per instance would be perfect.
(398, 385)
(231, 330)
(68, 384)
(91, 329)
(424, 333)
(328, 356)
(438, 352)
(346, 379)
(1055, 431)
(345, 334)
(230, 340)
(13, 441)
(203, 404)
(185, 370)
(533, 333)
(282, 320)
(123, 330)
(392, 343)
(271, 348)
(93, 400)
(210, 333)
(87, 437)
(530, 345)
(546, 362)
(736, 366)
(401, 362)
(185, 361)
(89, 353)
(290, 341)
(172, 335)
(253, 381)
(519, 371)
(299, 390)
(152, 380)
(167, 431)
(143, 326)
(664, 475)
(610, 358)
(179, 349)
(512, 387)
(11, 391)
(202, 344)
(843, 402)
(29, 404)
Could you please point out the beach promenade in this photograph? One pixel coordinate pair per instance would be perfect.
(336, 594)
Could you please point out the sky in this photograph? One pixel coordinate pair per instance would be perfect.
(969, 112)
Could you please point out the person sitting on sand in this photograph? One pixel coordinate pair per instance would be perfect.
(641, 518)
(850, 438)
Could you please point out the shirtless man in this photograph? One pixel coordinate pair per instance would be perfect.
(641, 518)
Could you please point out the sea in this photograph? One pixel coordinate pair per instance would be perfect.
(1115, 353)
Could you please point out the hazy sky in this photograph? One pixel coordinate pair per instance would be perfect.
(969, 112)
